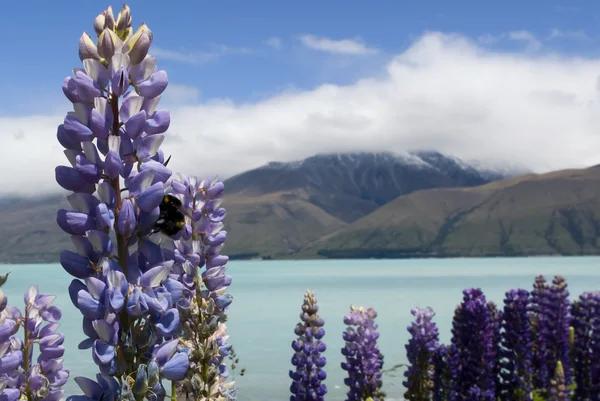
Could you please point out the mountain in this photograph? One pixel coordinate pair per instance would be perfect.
(279, 208)
(351, 185)
(554, 213)
(274, 210)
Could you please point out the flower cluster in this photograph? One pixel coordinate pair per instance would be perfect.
(20, 377)
(473, 335)
(132, 291)
(364, 361)
(307, 378)
(586, 346)
(420, 350)
(528, 351)
(515, 348)
(205, 299)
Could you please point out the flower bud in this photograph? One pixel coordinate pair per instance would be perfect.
(123, 22)
(104, 20)
(140, 386)
(137, 46)
(109, 44)
(87, 48)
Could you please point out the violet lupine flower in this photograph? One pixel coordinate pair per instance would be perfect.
(116, 126)
(473, 336)
(441, 374)
(20, 377)
(420, 350)
(558, 389)
(586, 348)
(364, 361)
(515, 348)
(204, 299)
(559, 320)
(540, 299)
(308, 376)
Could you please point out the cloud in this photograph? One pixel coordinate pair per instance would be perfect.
(343, 46)
(527, 37)
(576, 35)
(215, 52)
(444, 92)
(274, 42)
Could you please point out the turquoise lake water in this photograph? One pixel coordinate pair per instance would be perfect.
(268, 296)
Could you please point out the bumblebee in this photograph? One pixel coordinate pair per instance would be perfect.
(171, 218)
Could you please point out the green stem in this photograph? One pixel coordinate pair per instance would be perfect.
(122, 243)
(173, 391)
(26, 361)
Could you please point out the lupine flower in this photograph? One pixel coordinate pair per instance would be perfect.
(364, 361)
(420, 351)
(441, 374)
(515, 349)
(204, 301)
(586, 346)
(309, 374)
(559, 320)
(473, 337)
(129, 295)
(20, 377)
(558, 389)
(540, 299)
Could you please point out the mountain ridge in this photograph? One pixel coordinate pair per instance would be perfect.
(344, 204)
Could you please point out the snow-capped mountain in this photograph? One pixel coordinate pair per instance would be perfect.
(351, 185)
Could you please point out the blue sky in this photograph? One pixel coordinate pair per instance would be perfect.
(511, 83)
(246, 51)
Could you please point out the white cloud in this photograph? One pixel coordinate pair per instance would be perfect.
(274, 42)
(444, 92)
(343, 46)
(527, 37)
(532, 43)
(576, 35)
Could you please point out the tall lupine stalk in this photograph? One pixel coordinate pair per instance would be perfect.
(420, 350)
(558, 390)
(130, 291)
(540, 300)
(20, 377)
(364, 361)
(441, 374)
(474, 361)
(307, 378)
(586, 346)
(559, 319)
(515, 348)
(204, 299)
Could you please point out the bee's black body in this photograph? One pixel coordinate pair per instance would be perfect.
(171, 218)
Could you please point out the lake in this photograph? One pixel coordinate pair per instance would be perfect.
(268, 296)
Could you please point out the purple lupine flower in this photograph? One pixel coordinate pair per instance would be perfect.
(308, 376)
(123, 287)
(441, 374)
(473, 337)
(420, 350)
(559, 320)
(20, 377)
(364, 361)
(200, 270)
(540, 299)
(558, 389)
(103, 388)
(494, 350)
(586, 346)
(515, 350)
(595, 349)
